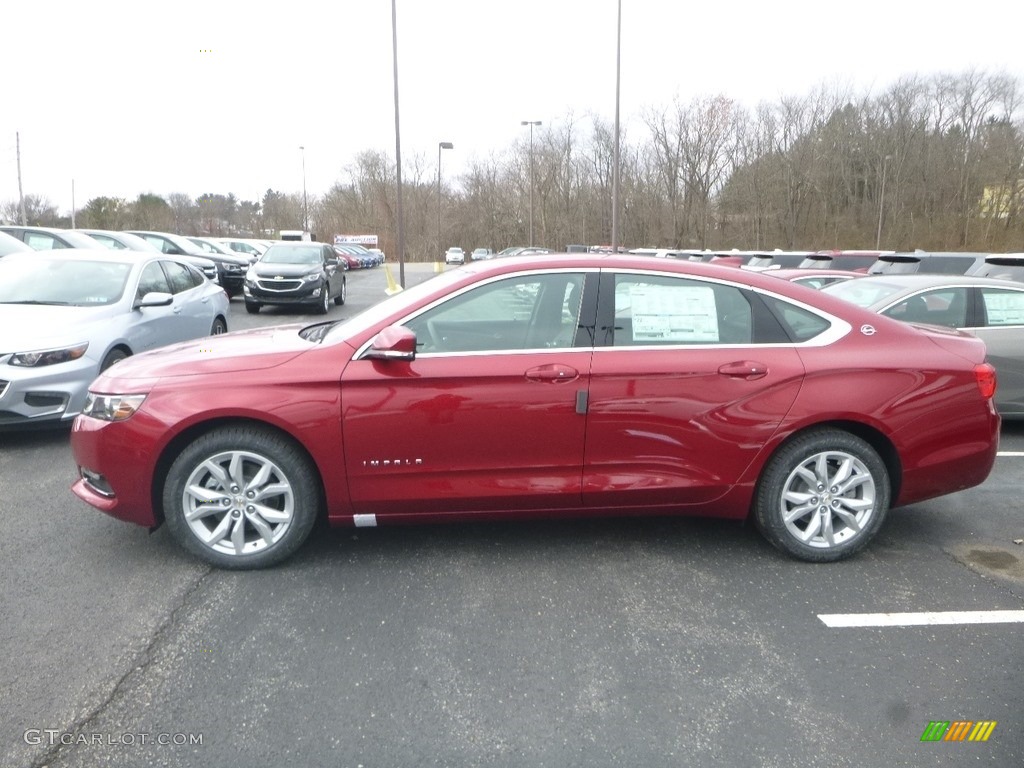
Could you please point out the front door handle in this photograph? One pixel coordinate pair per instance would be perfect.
(744, 369)
(553, 373)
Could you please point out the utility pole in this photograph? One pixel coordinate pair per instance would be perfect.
(21, 195)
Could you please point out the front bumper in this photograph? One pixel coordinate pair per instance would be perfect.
(305, 293)
(51, 395)
(114, 469)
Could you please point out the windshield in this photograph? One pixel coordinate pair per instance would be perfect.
(285, 254)
(864, 291)
(40, 280)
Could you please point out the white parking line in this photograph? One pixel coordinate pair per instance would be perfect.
(920, 619)
(1009, 453)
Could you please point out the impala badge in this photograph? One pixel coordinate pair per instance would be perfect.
(867, 330)
(383, 463)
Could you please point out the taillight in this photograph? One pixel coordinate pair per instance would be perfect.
(985, 375)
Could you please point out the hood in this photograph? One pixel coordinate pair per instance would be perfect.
(252, 350)
(285, 270)
(27, 327)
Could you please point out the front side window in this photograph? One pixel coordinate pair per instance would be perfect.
(516, 313)
(663, 310)
(179, 276)
(947, 306)
(152, 280)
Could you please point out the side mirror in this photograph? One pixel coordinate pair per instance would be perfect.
(154, 299)
(396, 342)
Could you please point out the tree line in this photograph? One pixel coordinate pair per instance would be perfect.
(932, 162)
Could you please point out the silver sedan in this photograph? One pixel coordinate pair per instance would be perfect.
(991, 309)
(67, 315)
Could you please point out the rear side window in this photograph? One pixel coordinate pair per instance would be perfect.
(1003, 308)
(42, 242)
(799, 324)
(662, 310)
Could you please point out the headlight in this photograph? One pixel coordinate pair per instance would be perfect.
(49, 356)
(112, 407)
(310, 278)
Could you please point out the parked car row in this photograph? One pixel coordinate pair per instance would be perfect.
(356, 256)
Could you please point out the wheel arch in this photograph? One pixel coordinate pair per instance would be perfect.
(874, 437)
(194, 431)
(121, 346)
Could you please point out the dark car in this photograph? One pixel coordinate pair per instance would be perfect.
(544, 387)
(48, 238)
(298, 273)
(230, 269)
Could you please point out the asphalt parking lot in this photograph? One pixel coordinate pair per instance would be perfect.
(647, 642)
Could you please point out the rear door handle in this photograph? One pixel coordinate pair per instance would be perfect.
(553, 373)
(744, 369)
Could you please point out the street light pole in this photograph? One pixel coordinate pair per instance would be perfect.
(531, 123)
(440, 145)
(305, 200)
(398, 151)
(615, 167)
(881, 202)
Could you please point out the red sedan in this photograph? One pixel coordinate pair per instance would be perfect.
(572, 385)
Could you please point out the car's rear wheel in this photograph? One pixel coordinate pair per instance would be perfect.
(823, 496)
(241, 497)
(341, 297)
(219, 326)
(252, 307)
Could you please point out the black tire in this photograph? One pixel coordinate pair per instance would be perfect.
(325, 303)
(252, 307)
(112, 357)
(269, 527)
(341, 297)
(845, 506)
(219, 326)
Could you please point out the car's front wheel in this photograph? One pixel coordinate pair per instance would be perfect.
(325, 300)
(252, 307)
(341, 297)
(823, 496)
(241, 497)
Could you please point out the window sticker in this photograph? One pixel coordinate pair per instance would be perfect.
(1005, 308)
(684, 314)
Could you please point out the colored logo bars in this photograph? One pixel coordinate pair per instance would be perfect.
(958, 730)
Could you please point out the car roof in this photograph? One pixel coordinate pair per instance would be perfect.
(921, 280)
(93, 254)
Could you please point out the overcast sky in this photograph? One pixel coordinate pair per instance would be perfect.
(218, 96)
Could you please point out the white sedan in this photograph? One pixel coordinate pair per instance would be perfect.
(67, 315)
